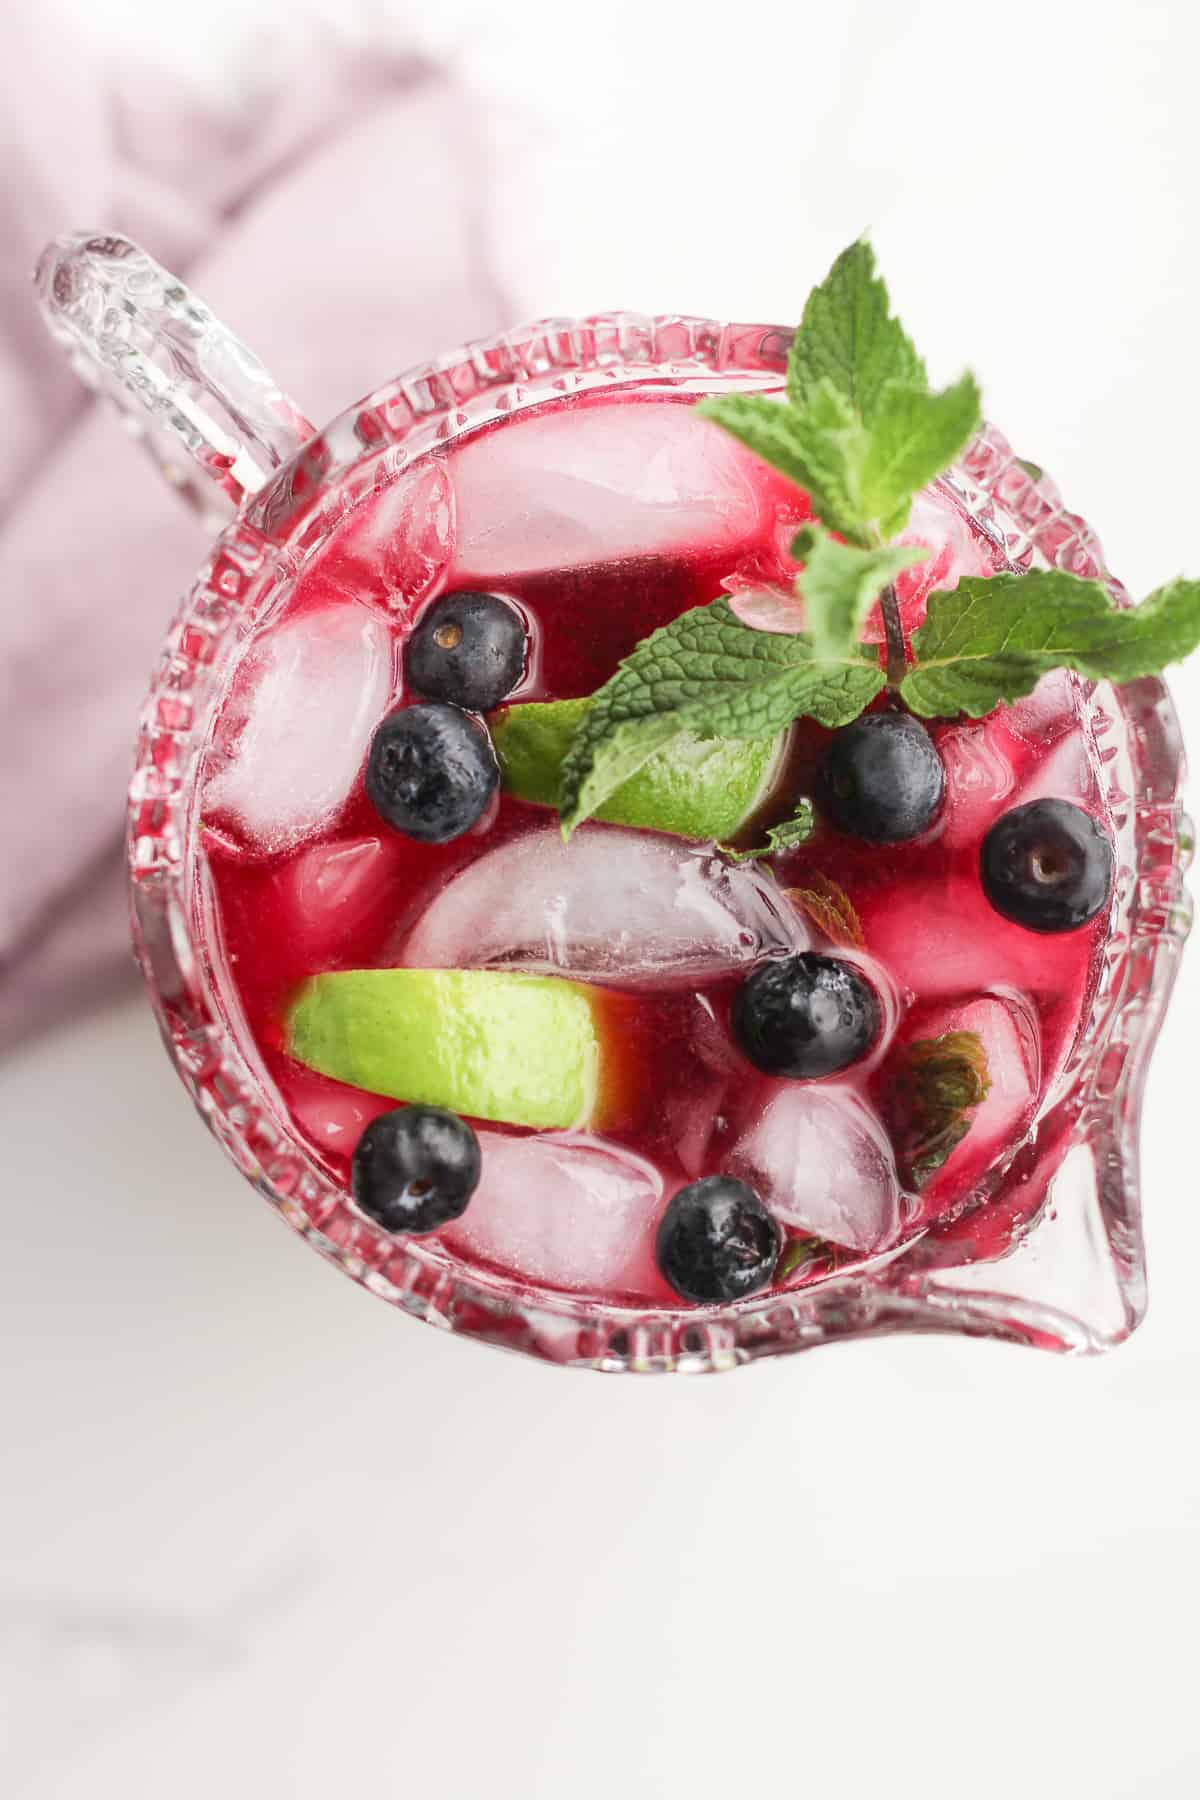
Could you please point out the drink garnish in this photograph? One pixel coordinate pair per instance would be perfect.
(695, 787)
(814, 1256)
(493, 1044)
(861, 432)
(788, 835)
(939, 1083)
(830, 909)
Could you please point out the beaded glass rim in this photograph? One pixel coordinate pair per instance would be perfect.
(923, 1285)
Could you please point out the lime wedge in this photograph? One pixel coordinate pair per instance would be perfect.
(696, 788)
(524, 1049)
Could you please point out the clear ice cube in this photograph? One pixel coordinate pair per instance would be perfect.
(395, 551)
(980, 781)
(954, 549)
(1052, 709)
(613, 905)
(562, 489)
(822, 1162)
(295, 732)
(564, 1210)
(941, 938)
(331, 893)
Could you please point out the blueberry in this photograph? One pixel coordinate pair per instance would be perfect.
(1047, 865)
(882, 779)
(717, 1241)
(468, 649)
(431, 772)
(415, 1169)
(805, 1016)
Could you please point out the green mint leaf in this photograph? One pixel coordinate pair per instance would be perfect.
(915, 435)
(839, 584)
(823, 449)
(993, 638)
(708, 674)
(788, 836)
(848, 337)
(830, 908)
(938, 1083)
(811, 1256)
(860, 430)
(765, 427)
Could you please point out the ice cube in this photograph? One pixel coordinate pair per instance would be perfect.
(611, 905)
(690, 1115)
(395, 549)
(601, 482)
(295, 731)
(1067, 772)
(1052, 709)
(980, 780)
(563, 1210)
(330, 894)
(991, 766)
(822, 1162)
(331, 1114)
(955, 551)
(941, 937)
(1007, 1027)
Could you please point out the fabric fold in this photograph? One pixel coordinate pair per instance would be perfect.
(336, 225)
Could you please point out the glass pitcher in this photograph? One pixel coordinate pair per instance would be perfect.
(1049, 1250)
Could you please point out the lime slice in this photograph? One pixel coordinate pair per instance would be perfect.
(494, 1044)
(696, 788)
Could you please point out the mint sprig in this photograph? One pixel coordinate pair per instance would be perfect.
(849, 338)
(830, 908)
(859, 428)
(939, 1084)
(993, 639)
(708, 674)
(839, 584)
(861, 432)
(788, 835)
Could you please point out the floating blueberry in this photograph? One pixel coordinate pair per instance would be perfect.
(431, 772)
(415, 1169)
(882, 779)
(717, 1241)
(805, 1016)
(468, 649)
(1047, 865)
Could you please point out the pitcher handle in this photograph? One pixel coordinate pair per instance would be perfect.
(186, 387)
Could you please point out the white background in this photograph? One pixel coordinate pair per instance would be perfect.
(262, 1536)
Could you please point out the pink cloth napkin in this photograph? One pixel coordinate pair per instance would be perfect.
(337, 227)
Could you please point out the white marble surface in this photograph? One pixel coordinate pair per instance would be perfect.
(262, 1536)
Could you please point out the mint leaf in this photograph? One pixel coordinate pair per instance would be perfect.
(939, 1081)
(787, 836)
(848, 337)
(839, 584)
(860, 430)
(830, 908)
(823, 450)
(813, 1257)
(706, 673)
(993, 638)
(915, 435)
(764, 426)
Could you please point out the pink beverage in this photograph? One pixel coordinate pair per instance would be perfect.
(599, 519)
(599, 1020)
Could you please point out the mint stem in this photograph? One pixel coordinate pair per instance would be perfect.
(897, 656)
